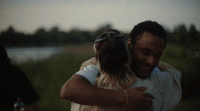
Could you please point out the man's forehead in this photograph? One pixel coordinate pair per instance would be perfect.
(147, 34)
(156, 51)
(149, 37)
(150, 42)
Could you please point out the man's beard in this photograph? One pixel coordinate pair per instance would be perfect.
(136, 66)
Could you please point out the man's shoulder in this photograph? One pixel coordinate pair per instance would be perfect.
(155, 71)
(158, 75)
(167, 75)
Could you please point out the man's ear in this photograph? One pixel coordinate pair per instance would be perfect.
(129, 44)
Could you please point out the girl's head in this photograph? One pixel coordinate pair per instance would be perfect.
(111, 52)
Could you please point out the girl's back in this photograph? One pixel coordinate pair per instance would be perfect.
(113, 59)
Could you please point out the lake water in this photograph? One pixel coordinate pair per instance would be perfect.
(23, 54)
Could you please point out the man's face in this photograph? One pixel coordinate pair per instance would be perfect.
(146, 54)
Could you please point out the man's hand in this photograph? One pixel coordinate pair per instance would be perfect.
(91, 61)
(138, 99)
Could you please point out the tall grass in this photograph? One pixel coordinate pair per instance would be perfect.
(48, 76)
(183, 59)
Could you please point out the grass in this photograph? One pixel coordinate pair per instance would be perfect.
(191, 104)
(48, 76)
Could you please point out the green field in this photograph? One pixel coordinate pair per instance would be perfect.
(48, 76)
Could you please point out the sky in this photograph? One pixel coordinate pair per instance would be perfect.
(29, 15)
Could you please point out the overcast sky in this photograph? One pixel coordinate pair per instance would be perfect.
(29, 15)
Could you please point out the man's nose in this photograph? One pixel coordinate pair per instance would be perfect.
(151, 61)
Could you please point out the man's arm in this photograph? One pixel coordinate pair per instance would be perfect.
(78, 89)
(171, 83)
(164, 66)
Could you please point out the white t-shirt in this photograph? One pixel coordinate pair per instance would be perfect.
(164, 86)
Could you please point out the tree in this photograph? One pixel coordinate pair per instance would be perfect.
(9, 36)
(102, 29)
(193, 32)
(11, 29)
(40, 37)
(54, 35)
(180, 34)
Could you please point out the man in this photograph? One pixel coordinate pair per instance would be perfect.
(15, 84)
(146, 45)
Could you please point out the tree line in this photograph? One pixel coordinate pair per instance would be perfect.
(55, 37)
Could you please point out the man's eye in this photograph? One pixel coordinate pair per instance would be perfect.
(158, 56)
(146, 53)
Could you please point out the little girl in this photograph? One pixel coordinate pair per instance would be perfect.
(113, 59)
